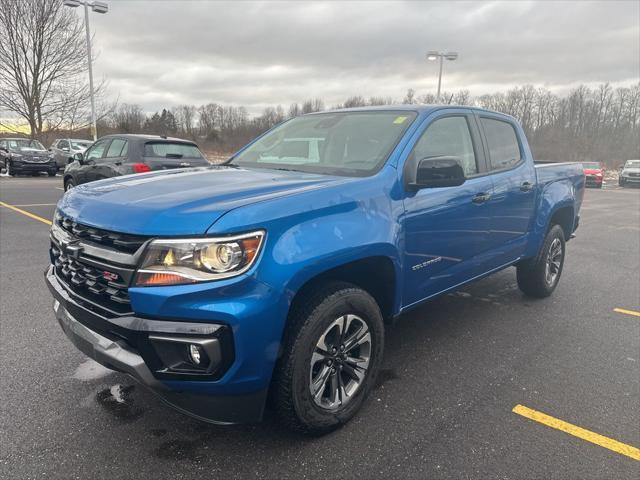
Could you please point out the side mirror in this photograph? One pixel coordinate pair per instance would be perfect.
(433, 172)
(78, 157)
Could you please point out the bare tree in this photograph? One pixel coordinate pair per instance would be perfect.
(42, 62)
(129, 118)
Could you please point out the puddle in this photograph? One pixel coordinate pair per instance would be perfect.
(118, 401)
(90, 370)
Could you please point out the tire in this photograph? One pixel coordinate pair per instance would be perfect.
(310, 361)
(69, 184)
(10, 170)
(621, 182)
(539, 277)
(52, 173)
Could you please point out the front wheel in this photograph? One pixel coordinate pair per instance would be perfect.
(621, 182)
(331, 357)
(539, 277)
(10, 170)
(69, 184)
(52, 173)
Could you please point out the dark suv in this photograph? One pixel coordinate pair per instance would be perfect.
(23, 155)
(116, 155)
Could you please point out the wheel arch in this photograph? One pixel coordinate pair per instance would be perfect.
(377, 275)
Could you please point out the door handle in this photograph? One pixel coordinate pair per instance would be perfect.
(481, 198)
(526, 187)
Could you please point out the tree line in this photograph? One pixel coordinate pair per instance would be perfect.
(587, 124)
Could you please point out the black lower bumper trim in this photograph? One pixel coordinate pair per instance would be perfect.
(106, 346)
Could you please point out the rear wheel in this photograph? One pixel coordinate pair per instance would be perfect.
(330, 360)
(539, 277)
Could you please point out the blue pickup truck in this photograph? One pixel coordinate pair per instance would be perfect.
(273, 275)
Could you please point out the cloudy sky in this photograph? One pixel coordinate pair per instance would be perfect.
(164, 53)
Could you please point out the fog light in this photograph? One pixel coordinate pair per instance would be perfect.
(194, 354)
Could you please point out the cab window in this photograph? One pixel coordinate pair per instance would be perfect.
(504, 149)
(448, 137)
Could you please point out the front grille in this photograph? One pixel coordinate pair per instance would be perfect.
(104, 288)
(36, 159)
(118, 241)
(634, 174)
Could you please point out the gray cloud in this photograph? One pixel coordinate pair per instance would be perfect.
(159, 53)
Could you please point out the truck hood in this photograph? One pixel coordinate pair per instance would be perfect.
(630, 170)
(182, 201)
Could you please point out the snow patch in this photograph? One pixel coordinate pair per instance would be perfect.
(90, 370)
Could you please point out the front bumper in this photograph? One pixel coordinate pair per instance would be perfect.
(630, 179)
(592, 180)
(19, 167)
(124, 344)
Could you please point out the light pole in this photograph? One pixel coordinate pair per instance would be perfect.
(435, 55)
(98, 7)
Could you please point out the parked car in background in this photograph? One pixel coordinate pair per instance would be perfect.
(630, 173)
(116, 155)
(272, 274)
(23, 155)
(594, 173)
(64, 149)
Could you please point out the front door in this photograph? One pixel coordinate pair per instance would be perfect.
(446, 229)
(91, 158)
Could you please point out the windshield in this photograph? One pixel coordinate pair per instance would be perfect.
(591, 166)
(632, 164)
(80, 144)
(171, 150)
(341, 143)
(19, 144)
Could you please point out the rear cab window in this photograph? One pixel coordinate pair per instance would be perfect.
(502, 142)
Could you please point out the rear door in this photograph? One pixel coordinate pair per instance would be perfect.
(446, 229)
(514, 182)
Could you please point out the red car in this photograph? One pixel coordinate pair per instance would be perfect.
(594, 173)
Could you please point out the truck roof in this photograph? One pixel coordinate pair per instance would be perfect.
(419, 108)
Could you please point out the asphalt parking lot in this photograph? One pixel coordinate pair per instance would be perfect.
(466, 379)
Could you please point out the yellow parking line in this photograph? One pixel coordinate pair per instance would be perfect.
(627, 312)
(36, 205)
(24, 212)
(605, 442)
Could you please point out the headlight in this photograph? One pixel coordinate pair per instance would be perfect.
(16, 156)
(192, 260)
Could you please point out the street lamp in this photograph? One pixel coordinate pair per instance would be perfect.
(98, 7)
(433, 55)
